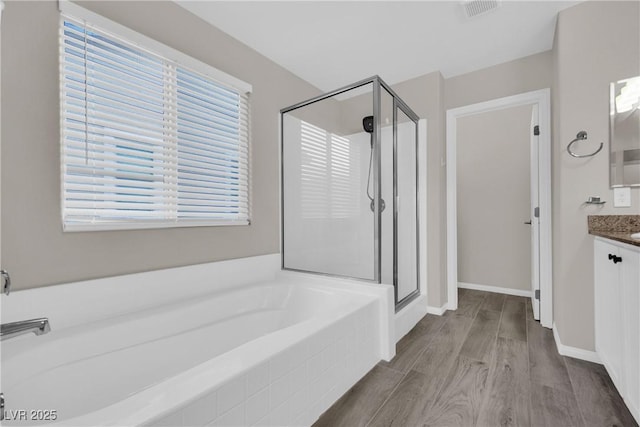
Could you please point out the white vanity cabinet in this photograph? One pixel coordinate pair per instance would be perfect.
(617, 316)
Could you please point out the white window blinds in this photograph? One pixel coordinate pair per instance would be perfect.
(147, 142)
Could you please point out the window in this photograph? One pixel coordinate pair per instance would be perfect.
(149, 138)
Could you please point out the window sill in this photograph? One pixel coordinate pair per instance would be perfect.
(115, 226)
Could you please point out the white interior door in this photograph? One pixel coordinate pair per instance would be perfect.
(535, 216)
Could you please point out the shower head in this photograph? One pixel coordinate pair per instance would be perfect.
(367, 124)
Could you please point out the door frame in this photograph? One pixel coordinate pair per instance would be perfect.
(541, 98)
(534, 196)
(1, 10)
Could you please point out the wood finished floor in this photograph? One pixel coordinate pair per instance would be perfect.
(489, 363)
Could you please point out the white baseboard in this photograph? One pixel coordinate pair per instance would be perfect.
(496, 289)
(438, 311)
(576, 353)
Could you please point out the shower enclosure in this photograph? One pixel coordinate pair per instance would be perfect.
(350, 187)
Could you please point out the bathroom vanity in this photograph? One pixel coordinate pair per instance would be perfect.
(617, 311)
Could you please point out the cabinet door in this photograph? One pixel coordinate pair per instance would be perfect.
(630, 280)
(608, 307)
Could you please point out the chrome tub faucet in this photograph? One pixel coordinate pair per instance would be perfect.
(38, 326)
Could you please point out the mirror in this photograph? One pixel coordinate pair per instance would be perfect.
(624, 132)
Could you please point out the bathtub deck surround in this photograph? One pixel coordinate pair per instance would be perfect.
(236, 343)
(99, 299)
(615, 227)
(486, 364)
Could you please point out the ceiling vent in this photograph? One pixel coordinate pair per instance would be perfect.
(473, 8)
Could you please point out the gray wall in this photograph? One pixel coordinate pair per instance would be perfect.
(595, 43)
(493, 192)
(34, 248)
(510, 78)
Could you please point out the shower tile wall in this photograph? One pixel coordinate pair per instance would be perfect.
(329, 226)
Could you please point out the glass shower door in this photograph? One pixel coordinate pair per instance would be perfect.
(406, 238)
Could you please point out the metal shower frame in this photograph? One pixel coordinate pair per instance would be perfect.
(398, 103)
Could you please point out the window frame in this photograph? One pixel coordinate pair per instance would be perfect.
(90, 19)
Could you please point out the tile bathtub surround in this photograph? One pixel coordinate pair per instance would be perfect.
(294, 387)
(615, 227)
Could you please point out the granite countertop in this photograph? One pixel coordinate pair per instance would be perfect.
(619, 236)
(615, 227)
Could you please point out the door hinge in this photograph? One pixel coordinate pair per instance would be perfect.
(537, 294)
(536, 212)
(536, 130)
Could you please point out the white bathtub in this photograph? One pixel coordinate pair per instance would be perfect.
(278, 352)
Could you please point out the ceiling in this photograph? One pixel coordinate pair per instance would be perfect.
(333, 43)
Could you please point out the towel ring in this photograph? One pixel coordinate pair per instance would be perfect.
(581, 136)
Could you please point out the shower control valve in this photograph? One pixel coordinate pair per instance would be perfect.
(382, 205)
